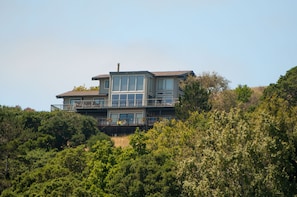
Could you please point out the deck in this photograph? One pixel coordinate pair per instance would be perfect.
(91, 104)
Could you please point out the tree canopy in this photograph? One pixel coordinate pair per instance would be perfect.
(284, 88)
(234, 152)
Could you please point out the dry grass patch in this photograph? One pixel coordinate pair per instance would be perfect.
(121, 141)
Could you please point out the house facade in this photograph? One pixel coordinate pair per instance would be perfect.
(126, 100)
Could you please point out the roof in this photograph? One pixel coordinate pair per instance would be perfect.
(157, 74)
(173, 73)
(74, 93)
(105, 76)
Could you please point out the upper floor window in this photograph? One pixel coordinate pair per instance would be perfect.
(106, 84)
(165, 84)
(127, 83)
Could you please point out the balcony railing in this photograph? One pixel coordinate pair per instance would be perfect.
(149, 121)
(91, 104)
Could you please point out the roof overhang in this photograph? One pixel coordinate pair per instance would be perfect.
(79, 94)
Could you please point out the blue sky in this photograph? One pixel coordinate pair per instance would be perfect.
(48, 47)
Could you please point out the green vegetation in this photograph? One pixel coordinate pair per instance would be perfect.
(247, 148)
(84, 88)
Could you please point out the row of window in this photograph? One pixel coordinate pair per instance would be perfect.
(130, 100)
(126, 118)
(127, 83)
(135, 83)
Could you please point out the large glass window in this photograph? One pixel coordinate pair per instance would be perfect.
(124, 83)
(139, 99)
(132, 83)
(123, 100)
(131, 99)
(115, 100)
(127, 83)
(116, 83)
(139, 84)
(126, 118)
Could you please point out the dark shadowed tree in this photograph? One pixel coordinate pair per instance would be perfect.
(285, 87)
(195, 98)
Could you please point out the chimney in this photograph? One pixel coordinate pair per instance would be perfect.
(118, 69)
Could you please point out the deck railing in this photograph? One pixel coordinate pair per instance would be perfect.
(91, 104)
(140, 122)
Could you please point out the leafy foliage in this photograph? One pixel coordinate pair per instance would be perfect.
(194, 98)
(84, 88)
(243, 93)
(231, 151)
(284, 88)
(213, 82)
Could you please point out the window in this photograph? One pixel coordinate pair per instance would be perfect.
(132, 83)
(126, 118)
(99, 101)
(116, 83)
(139, 118)
(124, 100)
(127, 83)
(131, 99)
(139, 83)
(114, 118)
(106, 84)
(75, 101)
(115, 100)
(165, 84)
(124, 83)
(139, 99)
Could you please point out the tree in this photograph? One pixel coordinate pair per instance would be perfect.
(213, 82)
(194, 98)
(224, 101)
(137, 141)
(241, 156)
(84, 88)
(285, 87)
(243, 93)
(150, 174)
(69, 129)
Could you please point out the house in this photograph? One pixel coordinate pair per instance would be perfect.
(128, 99)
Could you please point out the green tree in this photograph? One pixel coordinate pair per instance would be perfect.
(69, 129)
(150, 174)
(285, 87)
(137, 141)
(243, 93)
(239, 154)
(194, 98)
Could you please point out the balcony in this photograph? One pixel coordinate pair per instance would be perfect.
(108, 104)
(137, 122)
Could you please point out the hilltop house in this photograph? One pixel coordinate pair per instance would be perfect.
(127, 100)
